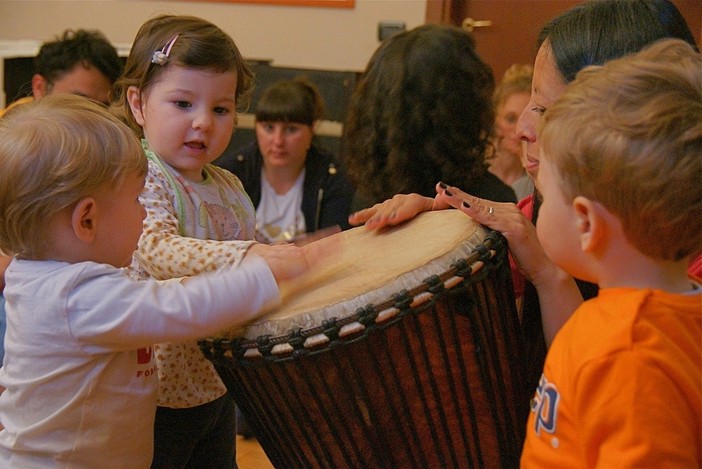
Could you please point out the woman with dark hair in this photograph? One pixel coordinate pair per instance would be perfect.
(589, 34)
(614, 28)
(296, 186)
(422, 112)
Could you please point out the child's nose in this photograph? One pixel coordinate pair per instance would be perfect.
(202, 121)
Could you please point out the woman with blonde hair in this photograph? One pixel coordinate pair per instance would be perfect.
(510, 98)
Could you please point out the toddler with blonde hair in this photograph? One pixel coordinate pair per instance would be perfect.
(79, 374)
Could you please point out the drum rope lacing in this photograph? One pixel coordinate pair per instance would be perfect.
(478, 265)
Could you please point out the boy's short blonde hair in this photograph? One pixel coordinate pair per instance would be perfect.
(54, 152)
(628, 135)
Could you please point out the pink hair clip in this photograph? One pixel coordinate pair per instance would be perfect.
(161, 56)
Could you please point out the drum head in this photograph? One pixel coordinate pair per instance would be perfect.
(368, 267)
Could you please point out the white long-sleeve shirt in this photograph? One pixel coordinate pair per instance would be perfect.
(79, 370)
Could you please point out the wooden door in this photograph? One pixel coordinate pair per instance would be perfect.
(515, 24)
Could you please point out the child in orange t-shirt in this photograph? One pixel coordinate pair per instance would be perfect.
(620, 176)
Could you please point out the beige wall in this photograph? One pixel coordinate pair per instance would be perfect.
(305, 37)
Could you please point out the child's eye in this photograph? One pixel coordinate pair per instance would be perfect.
(221, 110)
(182, 104)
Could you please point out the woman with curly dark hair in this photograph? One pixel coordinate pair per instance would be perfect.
(422, 113)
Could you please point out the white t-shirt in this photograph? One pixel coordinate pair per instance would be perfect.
(279, 217)
(79, 370)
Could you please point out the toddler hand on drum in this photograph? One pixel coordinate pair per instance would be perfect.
(288, 262)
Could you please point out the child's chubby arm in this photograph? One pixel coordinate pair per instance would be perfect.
(289, 262)
(289, 268)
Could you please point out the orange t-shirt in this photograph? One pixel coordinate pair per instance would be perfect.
(622, 385)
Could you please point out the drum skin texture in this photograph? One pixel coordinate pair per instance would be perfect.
(424, 376)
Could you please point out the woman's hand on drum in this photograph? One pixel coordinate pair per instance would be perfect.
(558, 293)
(400, 208)
(509, 220)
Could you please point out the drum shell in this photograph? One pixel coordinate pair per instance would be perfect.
(437, 385)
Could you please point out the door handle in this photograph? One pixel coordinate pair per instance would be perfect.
(469, 24)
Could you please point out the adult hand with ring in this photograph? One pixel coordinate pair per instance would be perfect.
(506, 218)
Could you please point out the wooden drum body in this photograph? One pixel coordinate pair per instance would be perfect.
(416, 364)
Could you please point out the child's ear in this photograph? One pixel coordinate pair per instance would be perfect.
(591, 223)
(83, 219)
(135, 103)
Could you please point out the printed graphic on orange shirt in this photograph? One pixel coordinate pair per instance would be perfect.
(546, 406)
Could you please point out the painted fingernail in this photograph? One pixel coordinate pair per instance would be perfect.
(442, 185)
(466, 204)
(449, 193)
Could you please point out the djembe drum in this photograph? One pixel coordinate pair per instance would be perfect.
(403, 353)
